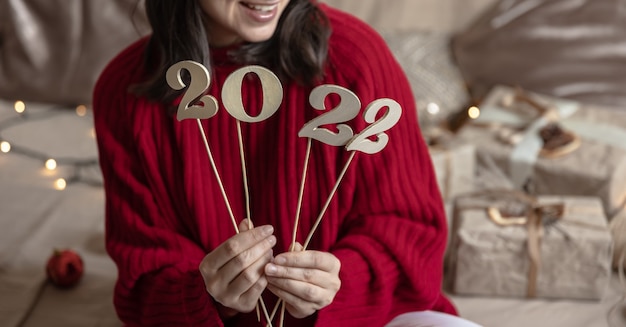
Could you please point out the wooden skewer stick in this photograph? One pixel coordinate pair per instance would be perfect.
(244, 170)
(200, 74)
(228, 206)
(282, 315)
(317, 223)
(280, 304)
(275, 309)
(301, 193)
(360, 142)
(296, 223)
(330, 197)
(265, 313)
(217, 174)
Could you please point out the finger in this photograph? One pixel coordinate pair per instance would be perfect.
(296, 247)
(246, 289)
(309, 259)
(249, 299)
(289, 298)
(307, 275)
(244, 298)
(286, 278)
(240, 243)
(304, 297)
(261, 251)
(245, 225)
(251, 276)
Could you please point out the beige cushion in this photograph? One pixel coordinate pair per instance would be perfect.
(53, 50)
(443, 16)
(568, 49)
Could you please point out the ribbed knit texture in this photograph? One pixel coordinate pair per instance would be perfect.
(165, 212)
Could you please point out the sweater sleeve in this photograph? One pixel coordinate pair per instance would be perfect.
(158, 278)
(393, 239)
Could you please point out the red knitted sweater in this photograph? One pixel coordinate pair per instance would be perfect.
(165, 212)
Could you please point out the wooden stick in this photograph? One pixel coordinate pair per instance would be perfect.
(297, 220)
(330, 197)
(223, 191)
(217, 174)
(301, 194)
(244, 170)
(267, 316)
(282, 315)
(317, 222)
(278, 303)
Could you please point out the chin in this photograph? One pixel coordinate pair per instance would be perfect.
(260, 35)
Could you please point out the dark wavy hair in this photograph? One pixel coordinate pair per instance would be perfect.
(296, 52)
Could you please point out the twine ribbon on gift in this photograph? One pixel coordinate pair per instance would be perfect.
(534, 217)
(524, 132)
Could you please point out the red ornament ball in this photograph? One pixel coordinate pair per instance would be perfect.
(64, 268)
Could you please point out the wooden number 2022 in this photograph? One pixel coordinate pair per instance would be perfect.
(196, 104)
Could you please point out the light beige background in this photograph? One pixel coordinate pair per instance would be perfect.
(402, 15)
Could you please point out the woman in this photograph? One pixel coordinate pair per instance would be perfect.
(378, 251)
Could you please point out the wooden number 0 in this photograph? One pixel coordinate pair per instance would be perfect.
(233, 100)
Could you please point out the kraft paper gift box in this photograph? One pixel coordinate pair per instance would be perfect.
(554, 253)
(454, 164)
(509, 134)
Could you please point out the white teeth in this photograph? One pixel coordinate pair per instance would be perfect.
(261, 7)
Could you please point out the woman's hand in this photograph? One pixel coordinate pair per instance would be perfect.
(306, 280)
(233, 272)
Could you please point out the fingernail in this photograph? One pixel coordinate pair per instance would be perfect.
(272, 240)
(270, 269)
(267, 230)
(280, 260)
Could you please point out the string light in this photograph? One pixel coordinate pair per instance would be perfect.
(81, 110)
(5, 146)
(79, 166)
(433, 108)
(19, 106)
(60, 184)
(51, 164)
(473, 112)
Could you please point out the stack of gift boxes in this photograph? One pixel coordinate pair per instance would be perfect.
(546, 232)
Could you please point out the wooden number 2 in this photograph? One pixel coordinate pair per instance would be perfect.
(189, 106)
(347, 109)
(361, 142)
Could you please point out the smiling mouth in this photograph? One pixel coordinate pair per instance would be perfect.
(262, 8)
